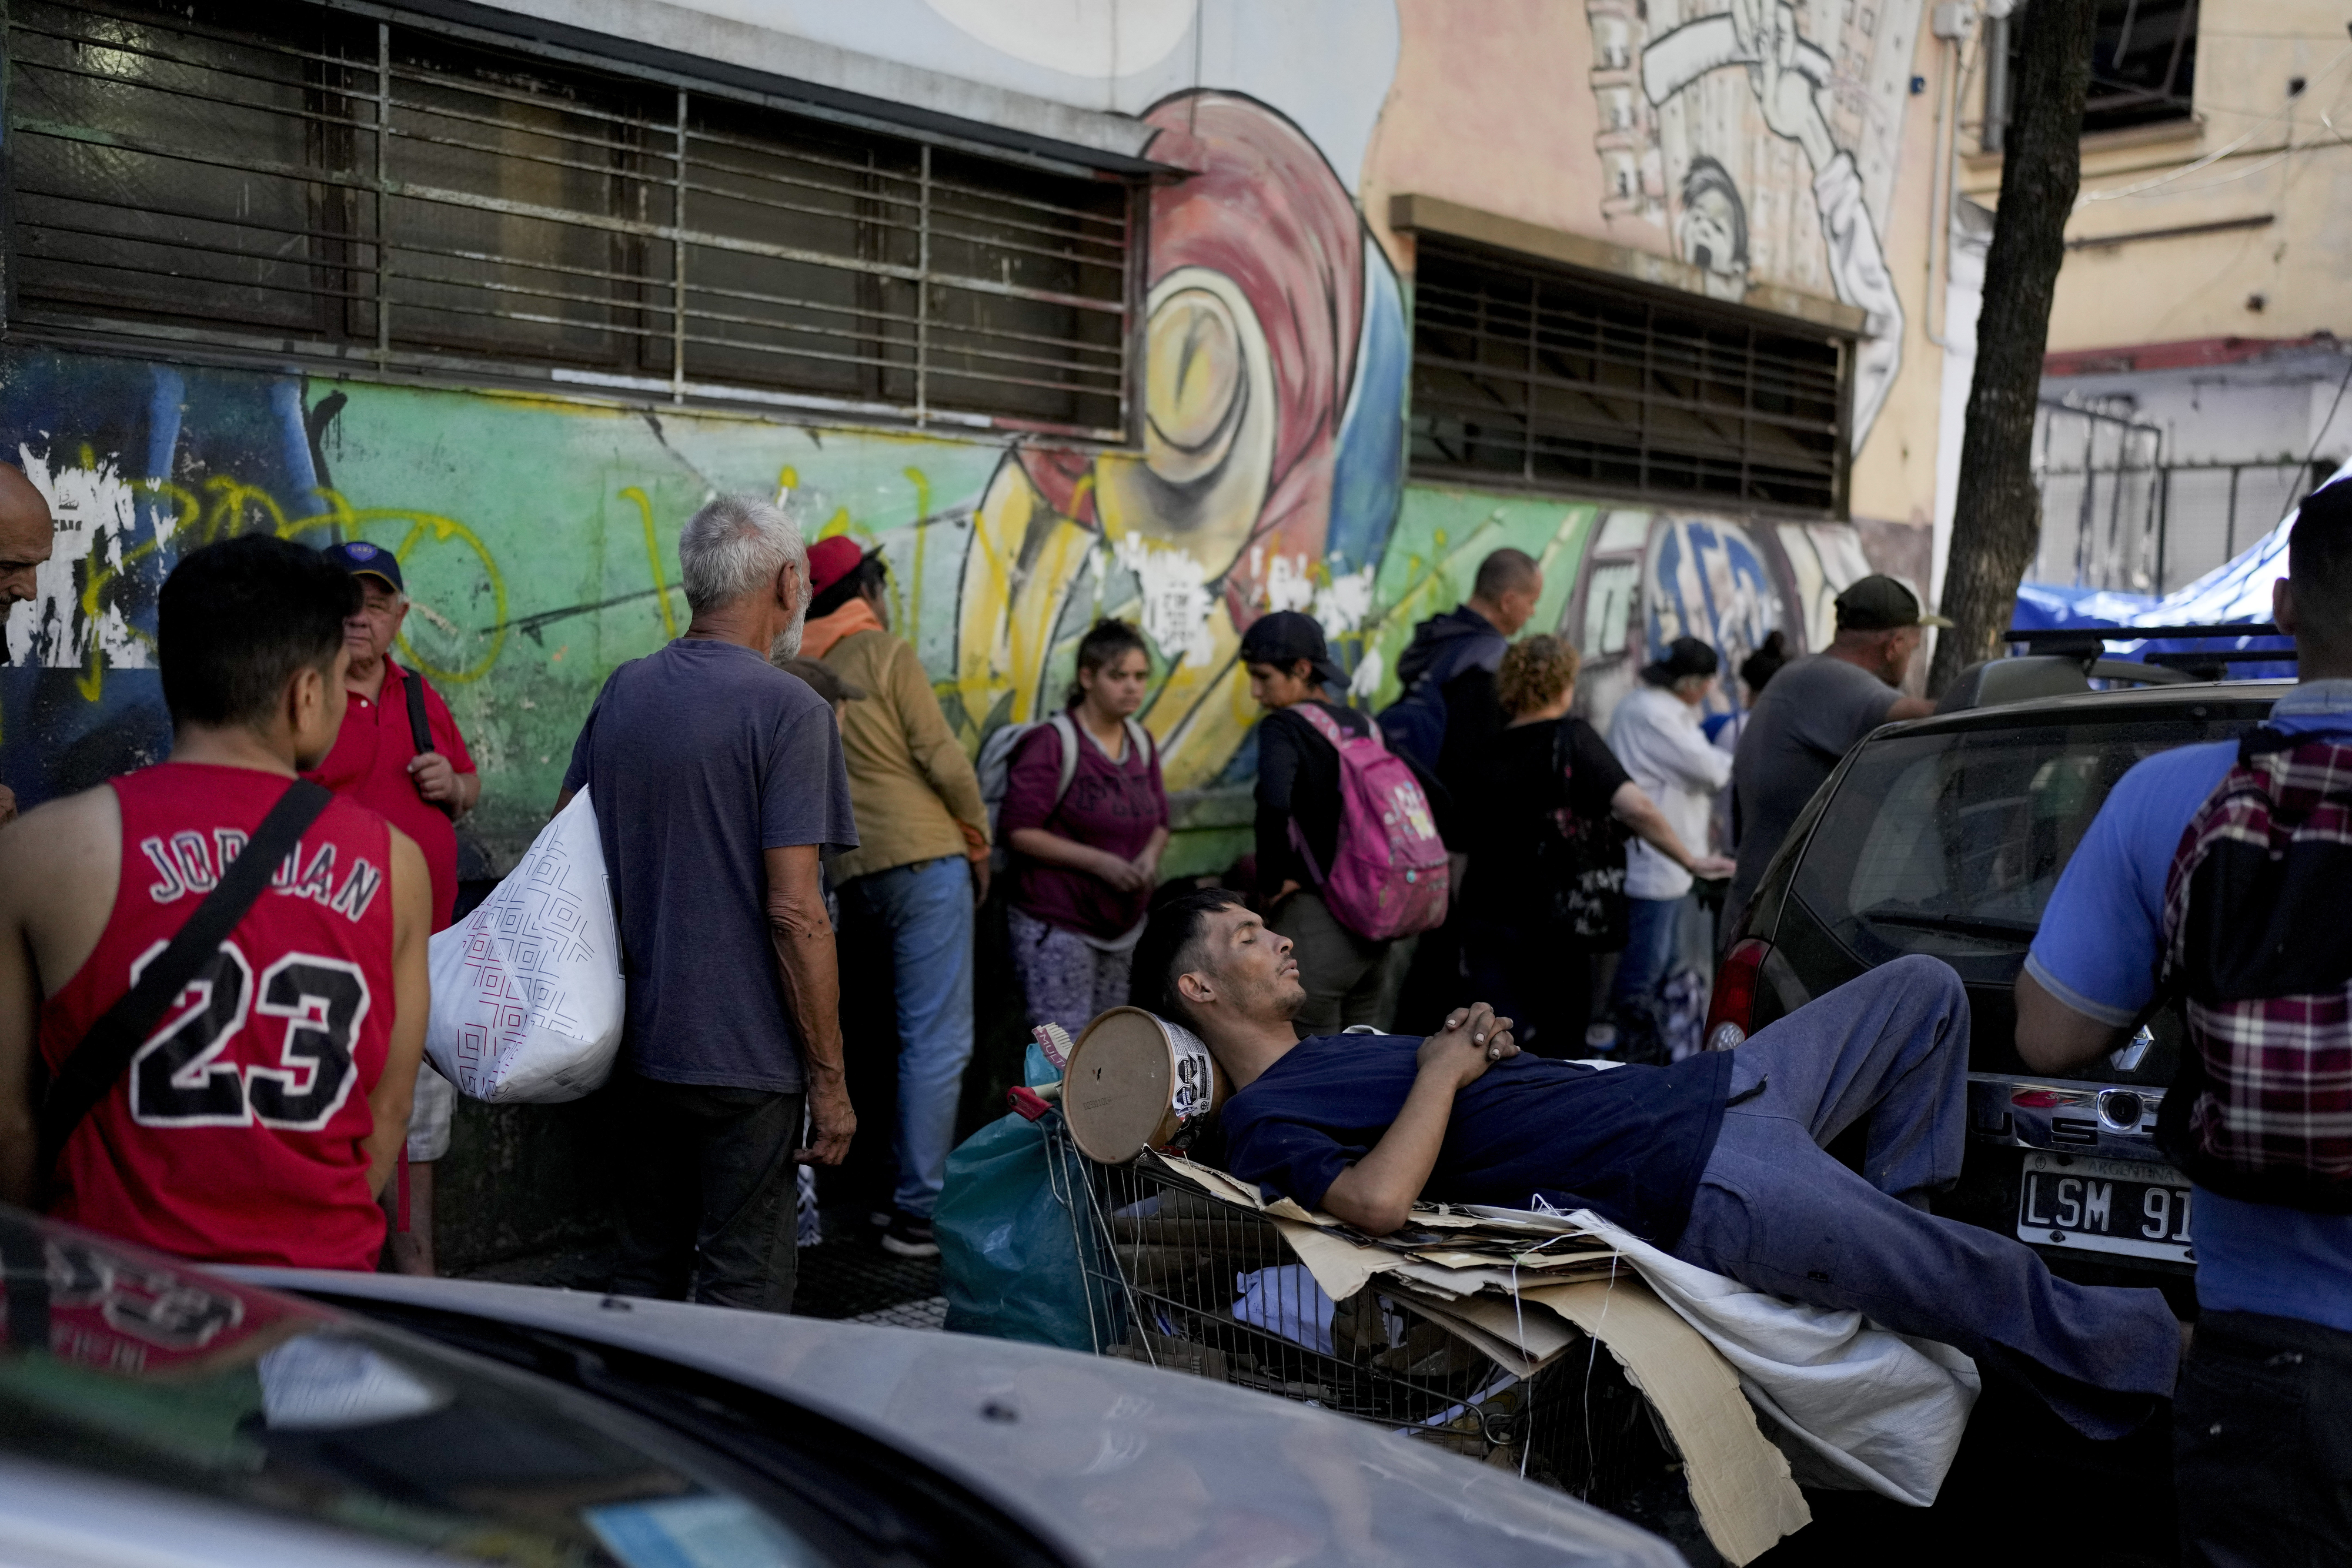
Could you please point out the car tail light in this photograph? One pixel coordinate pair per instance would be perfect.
(1732, 1013)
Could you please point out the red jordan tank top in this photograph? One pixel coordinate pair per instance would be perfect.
(236, 1134)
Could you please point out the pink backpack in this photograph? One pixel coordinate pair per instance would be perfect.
(1388, 874)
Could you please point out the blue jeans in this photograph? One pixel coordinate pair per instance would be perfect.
(1775, 1211)
(1651, 927)
(927, 909)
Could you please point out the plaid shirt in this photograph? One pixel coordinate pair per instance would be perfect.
(2258, 946)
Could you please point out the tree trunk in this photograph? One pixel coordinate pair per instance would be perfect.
(1997, 516)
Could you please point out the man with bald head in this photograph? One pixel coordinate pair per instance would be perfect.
(1448, 720)
(1448, 717)
(24, 539)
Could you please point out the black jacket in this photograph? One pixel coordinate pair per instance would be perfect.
(1464, 649)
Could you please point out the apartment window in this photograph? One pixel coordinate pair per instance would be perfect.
(273, 173)
(1534, 377)
(2143, 67)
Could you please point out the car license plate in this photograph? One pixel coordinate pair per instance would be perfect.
(2105, 1205)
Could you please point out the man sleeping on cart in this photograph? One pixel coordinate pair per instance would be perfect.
(1720, 1159)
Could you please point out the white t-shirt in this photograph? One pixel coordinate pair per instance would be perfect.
(1656, 736)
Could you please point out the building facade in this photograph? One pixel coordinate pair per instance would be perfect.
(1183, 310)
(2195, 385)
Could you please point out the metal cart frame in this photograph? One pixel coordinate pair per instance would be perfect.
(1184, 1280)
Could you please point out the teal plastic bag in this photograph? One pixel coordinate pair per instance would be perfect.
(1009, 1260)
(1008, 1249)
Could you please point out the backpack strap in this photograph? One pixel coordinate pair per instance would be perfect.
(1065, 728)
(88, 1075)
(1324, 724)
(1140, 739)
(420, 728)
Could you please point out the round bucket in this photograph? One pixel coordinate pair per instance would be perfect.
(1136, 1079)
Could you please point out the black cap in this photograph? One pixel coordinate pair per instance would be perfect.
(1879, 603)
(362, 559)
(1286, 637)
(1685, 656)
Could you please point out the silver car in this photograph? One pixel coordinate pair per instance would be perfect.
(159, 1414)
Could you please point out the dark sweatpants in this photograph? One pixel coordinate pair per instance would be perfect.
(1775, 1211)
(2261, 1437)
(708, 1196)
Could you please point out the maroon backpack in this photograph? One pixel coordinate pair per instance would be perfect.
(2258, 955)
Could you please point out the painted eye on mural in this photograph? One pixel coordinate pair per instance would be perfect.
(1209, 423)
(1197, 385)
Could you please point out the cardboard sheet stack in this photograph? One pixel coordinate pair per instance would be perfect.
(1523, 1289)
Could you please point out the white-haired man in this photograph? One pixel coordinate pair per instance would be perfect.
(719, 784)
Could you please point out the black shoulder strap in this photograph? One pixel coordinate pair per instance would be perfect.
(420, 731)
(91, 1072)
(2262, 741)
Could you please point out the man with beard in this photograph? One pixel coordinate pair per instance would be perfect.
(717, 784)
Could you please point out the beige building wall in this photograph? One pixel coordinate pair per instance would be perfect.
(1535, 110)
(2235, 223)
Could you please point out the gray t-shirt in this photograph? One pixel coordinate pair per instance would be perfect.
(1810, 715)
(698, 759)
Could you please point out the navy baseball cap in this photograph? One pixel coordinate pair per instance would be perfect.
(362, 559)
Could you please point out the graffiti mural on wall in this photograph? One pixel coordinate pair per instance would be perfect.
(539, 534)
(1271, 447)
(1762, 137)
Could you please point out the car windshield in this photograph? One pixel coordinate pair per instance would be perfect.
(1951, 841)
(121, 1364)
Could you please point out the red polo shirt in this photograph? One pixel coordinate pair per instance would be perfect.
(369, 765)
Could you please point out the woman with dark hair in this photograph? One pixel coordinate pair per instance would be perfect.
(1755, 671)
(1555, 782)
(1086, 817)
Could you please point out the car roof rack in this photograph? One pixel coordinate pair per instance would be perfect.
(2060, 661)
(2090, 642)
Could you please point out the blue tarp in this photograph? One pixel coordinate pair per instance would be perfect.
(2238, 590)
(2046, 606)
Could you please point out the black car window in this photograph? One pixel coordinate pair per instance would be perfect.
(1951, 841)
(126, 1364)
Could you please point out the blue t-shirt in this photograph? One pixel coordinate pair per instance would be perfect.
(1627, 1142)
(698, 757)
(2098, 951)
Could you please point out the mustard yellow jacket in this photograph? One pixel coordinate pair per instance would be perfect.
(914, 791)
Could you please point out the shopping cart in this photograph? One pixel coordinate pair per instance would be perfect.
(1188, 1282)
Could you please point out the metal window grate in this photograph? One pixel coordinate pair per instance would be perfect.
(1534, 377)
(273, 172)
